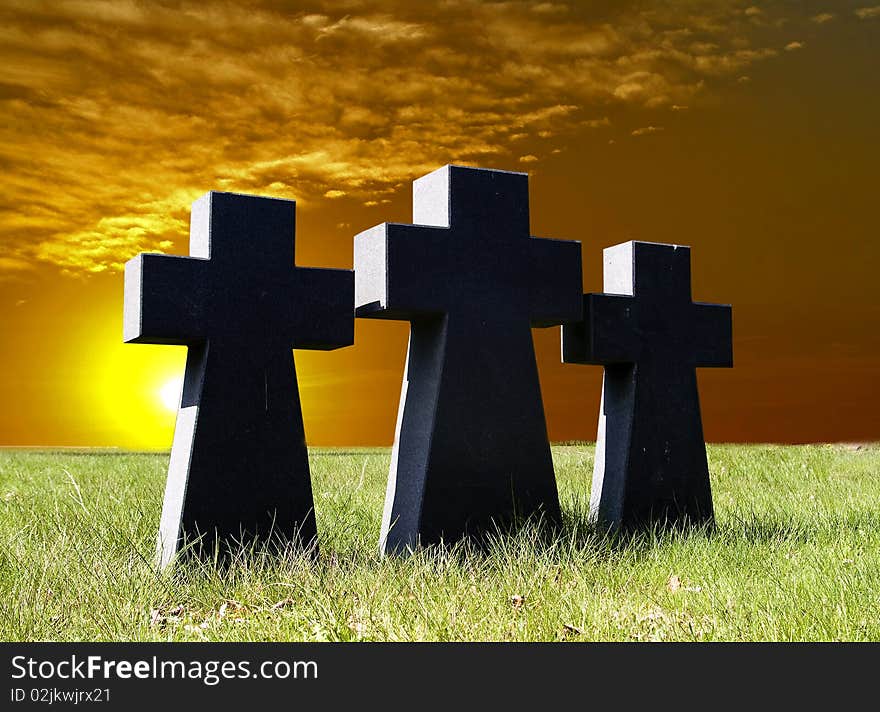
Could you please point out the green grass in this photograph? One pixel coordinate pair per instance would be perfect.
(795, 556)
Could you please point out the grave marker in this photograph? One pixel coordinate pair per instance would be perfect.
(470, 449)
(650, 465)
(239, 466)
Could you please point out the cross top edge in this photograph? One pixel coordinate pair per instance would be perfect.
(620, 264)
(436, 197)
(647, 243)
(234, 194)
(459, 166)
(221, 219)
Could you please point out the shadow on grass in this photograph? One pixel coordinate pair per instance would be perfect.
(579, 537)
(575, 539)
(756, 529)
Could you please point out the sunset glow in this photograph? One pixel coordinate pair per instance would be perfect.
(746, 131)
(169, 394)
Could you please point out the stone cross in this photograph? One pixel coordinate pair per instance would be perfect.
(650, 465)
(239, 466)
(470, 450)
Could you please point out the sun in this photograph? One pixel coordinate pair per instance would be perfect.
(169, 393)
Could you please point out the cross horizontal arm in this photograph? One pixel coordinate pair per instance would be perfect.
(164, 299)
(607, 334)
(394, 265)
(713, 335)
(556, 288)
(321, 315)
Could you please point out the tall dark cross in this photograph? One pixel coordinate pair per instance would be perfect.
(239, 466)
(650, 465)
(471, 450)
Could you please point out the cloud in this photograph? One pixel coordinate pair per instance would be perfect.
(117, 114)
(528, 159)
(645, 130)
(12, 264)
(379, 28)
(550, 8)
(791, 46)
(822, 18)
(868, 13)
(13, 269)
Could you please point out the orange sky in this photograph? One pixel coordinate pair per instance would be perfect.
(746, 131)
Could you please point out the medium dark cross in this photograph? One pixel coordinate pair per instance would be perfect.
(471, 450)
(239, 466)
(650, 465)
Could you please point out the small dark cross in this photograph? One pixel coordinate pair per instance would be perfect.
(471, 449)
(239, 466)
(650, 463)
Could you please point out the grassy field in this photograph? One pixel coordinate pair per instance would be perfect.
(796, 556)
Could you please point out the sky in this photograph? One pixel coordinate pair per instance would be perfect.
(745, 130)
